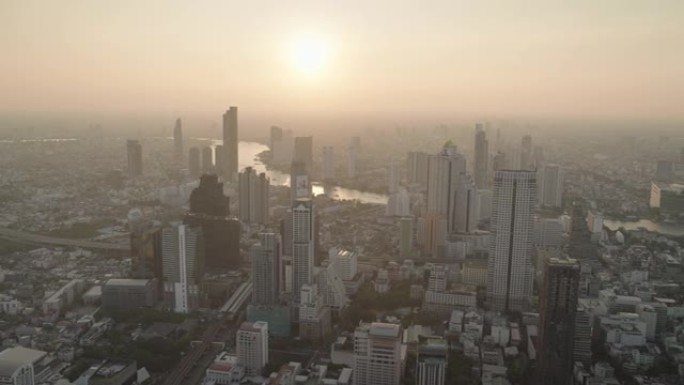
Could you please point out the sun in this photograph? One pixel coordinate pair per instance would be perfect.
(310, 55)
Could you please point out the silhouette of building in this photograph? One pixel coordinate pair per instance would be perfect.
(481, 160)
(303, 152)
(510, 271)
(194, 165)
(353, 156)
(551, 185)
(417, 169)
(207, 160)
(254, 196)
(266, 259)
(557, 309)
(209, 209)
(178, 141)
(328, 164)
(229, 167)
(134, 158)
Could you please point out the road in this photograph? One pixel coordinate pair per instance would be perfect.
(195, 356)
(25, 237)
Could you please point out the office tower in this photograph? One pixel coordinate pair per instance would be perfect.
(399, 204)
(229, 167)
(500, 162)
(582, 340)
(444, 173)
(432, 234)
(438, 279)
(433, 356)
(393, 176)
(353, 156)
(314, 318)
(254, 196)
(484, 198)
(581, 246)
(209, 209)
(510, 271)
(345, 263)
(178, 141)
(194, 162)
(417, 169)
(251, 342)
(303, 152)
(557, 309)
(551, 186)
(538, 156)
(265, 257)
(377, 354)
(276, 138)
(406, 237)
(466, 206)
(302, 244)
(481, 164)
(21, 366)
(328, 160)
(146, 252)
(526, 153)
(134, 158)
(300, 183)
(282, 145)
(219, 162)
(207, 160)
(183, 267)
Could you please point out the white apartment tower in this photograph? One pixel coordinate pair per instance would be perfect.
(266, 267)
(378, 354)
(302, 244)
(182, 267)
(510, 271)
(252, 346)
(254, 196)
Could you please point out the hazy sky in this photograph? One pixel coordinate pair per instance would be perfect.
(611, 59)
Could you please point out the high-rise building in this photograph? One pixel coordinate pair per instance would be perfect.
(399, 204)
(345, 263)
(251, 342)
(303, 151)
(146, 253)
(433, 356)
(500, 162)
(582, 341)
(314, 317)
(466, 206)
(209, 209)
(282, 145)
(178, 141)
(510, 271)
(19, 365)
(254, 196)
(328, 164)
(219, 161)
(229, 166)
(444, 173)
(207, 160)
(406, 238)
(276, 138)
(194, 165)
(526, 153)
(393, 176)
(302, 244)
(550, 185)
(557, 309)
(481, 161)
(134, 158)
(265, 257)
(377, 354)
(183, 267)
(417, 169)
(300, 182)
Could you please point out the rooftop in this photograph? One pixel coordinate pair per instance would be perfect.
(380, 329)
(127, 282)
(13, 358)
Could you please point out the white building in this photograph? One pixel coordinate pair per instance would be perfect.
(302, 244)
(254, 196)
(345, 262)
(399, 204)
(551, 185)
(432, 361)
(182, 267)
(17, 365)
(510, 271)
(265, 257)
(225, 370)
(252, 346)
(378, 354)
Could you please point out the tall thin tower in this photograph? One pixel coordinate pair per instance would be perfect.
(266, 269)
(481, 165)
(302, 244)
(510, 271)
(230, 144)
(178, 141)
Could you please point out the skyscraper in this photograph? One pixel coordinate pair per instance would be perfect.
(551, 185)
(481, 164)
(194, 162)
(265, 257)
(500, 162)
(406, 237)
(183, 267)
(557, 308)
(254, 196)
(510, 271)
(300, 182)
(251, 342)
(229, 166)
(417, 169)
(303, 152)
(302, 244)
(207, 160)
(134, 158)
(377, 354)
(328, 163)
(432, 361)
(178, 141)
(209, 209)
(276, 138)
(444, 172)
(466, 206)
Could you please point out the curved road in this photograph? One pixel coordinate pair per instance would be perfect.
(22, 236)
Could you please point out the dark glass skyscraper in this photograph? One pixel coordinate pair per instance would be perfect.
(229, 167)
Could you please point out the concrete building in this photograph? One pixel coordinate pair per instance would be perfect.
(17, 365)
(345, 262)
(183, 267)
(302, 244)
(126, 295)
(300, 181)
(178, 141)
(445, 171)
(134, 158)
(254, 190)
(266, 266)
(582, 342)
(251, 343)
(378, 354)
(417, 169)
(194, 162)
(303, 152)
(550, 185)
(229, 167)
(669, 198)
(466, 206)
(432, 361)
(510, 270)
(399, 204)
(393, 176)
(314, 317)
(481, 159)
(406, 236)
(207, 160)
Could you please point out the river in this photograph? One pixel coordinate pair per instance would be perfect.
(663, 228)
(248, 157)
